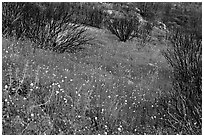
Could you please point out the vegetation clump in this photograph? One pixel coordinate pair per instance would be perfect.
(185, 103)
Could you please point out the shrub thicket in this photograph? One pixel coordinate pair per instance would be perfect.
(187, 16)
(184, 106)
(50, 25)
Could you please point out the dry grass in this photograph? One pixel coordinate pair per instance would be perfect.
(69, 91)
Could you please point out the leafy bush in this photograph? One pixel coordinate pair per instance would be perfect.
(184, 105)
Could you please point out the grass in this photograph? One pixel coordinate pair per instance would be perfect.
(110, 88)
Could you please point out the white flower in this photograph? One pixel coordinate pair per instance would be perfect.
(6, 86)
(130, 82)
(14, 56)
